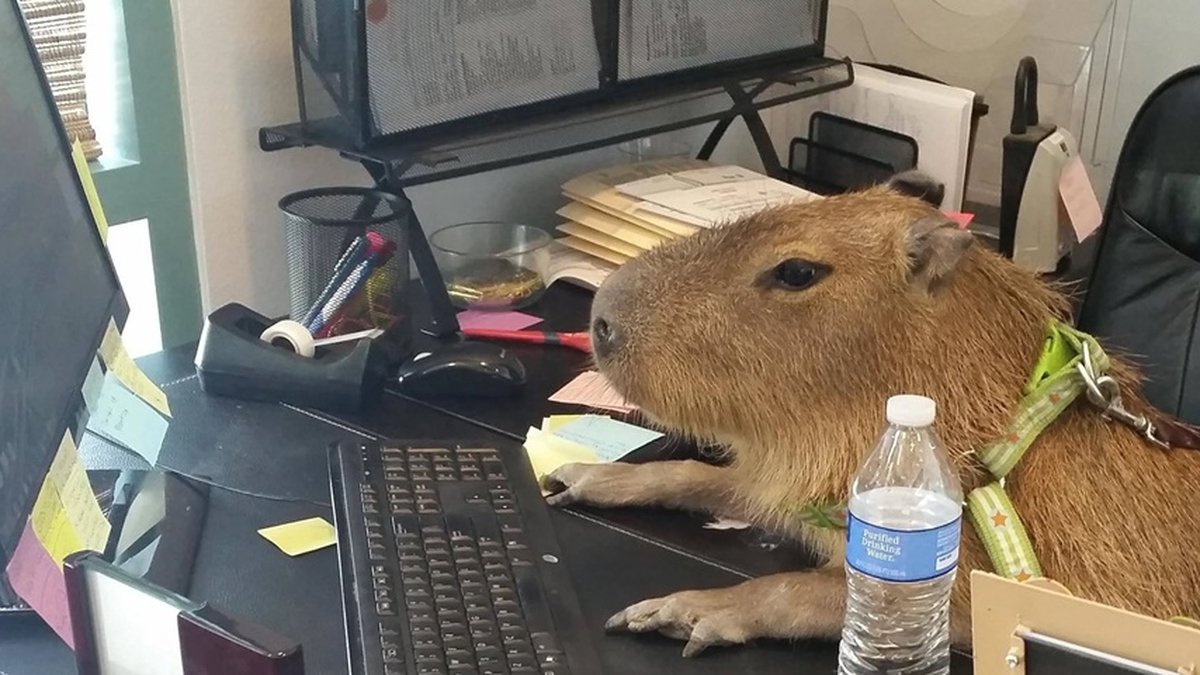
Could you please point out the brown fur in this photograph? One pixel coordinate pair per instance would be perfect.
(793, 383)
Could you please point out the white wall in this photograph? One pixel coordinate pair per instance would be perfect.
(236, 75)
(1162, 37)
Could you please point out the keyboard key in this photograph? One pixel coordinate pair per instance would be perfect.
(544, 643)
(426, 638)
(428, 669)
(556, 669)
(512, 633)
(418, 605)
(385, 608)
(551, 659)
(460, 642)
(516, 661)
(428, 655)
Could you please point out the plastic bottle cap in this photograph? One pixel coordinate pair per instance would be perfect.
(911, 411)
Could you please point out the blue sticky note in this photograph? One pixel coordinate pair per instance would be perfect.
(93, 385)
(123, 418)
(610, 439)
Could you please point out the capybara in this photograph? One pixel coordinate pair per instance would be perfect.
(779, 338)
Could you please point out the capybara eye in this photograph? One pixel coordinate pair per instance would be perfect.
(795, 274)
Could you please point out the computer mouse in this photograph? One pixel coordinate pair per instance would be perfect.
(474, 369)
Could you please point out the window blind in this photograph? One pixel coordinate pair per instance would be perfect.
(59, 32)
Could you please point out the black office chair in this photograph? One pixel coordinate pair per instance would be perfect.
(1143, 296)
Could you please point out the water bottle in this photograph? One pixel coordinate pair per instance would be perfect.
(905, 517)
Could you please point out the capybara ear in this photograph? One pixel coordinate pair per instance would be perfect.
(920, 185)
(935, 247)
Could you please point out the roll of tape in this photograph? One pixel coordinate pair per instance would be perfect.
(291, 335)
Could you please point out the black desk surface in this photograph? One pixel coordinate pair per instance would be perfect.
(616, 557)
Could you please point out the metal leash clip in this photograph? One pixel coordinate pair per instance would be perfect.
(1105, 393)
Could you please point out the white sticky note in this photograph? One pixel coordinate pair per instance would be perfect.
(610, 438)
(127, 420)
(1080, 200)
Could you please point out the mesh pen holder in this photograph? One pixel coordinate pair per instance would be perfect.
(347, 257)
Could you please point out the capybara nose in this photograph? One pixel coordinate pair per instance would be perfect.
(606, 337)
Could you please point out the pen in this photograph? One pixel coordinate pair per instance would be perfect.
(579, 341)
(341, 270)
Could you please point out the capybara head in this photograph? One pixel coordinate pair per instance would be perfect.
(797, 323)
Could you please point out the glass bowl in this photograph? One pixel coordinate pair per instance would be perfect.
(492, 265)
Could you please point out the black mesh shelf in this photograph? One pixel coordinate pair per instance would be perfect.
(433, 158)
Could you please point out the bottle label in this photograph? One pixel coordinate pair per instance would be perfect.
(902, 555)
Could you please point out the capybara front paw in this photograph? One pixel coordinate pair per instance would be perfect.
(613, 484)
(702, 618)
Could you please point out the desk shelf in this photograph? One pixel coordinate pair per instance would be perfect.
(415, 162)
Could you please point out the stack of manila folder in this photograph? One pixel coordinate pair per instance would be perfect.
(616, 214)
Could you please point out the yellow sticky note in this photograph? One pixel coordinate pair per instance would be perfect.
(555, 422)
(89, 189)
(66, 517)
(548, 452)
(78, 500)
(50, 524)
(117, 360)
(302, 536)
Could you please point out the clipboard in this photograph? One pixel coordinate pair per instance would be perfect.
(1039, 628)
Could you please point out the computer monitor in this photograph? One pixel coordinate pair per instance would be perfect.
(58, 288)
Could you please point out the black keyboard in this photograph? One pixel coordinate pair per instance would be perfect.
(450, 565)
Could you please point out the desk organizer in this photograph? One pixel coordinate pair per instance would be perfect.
(233, 361)
(388, 69)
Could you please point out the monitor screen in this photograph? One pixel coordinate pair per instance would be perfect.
(57, 285)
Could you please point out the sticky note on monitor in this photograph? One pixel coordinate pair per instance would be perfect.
(118, 361)
(37, 579)
(302, 536)
(127, 420)
(66, 517)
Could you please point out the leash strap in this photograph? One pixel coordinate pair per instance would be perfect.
(1056, 382)
(1002, 533)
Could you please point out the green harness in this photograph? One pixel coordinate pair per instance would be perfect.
(1071, 363)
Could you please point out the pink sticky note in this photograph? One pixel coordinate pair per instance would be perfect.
(35, 577)
(1077, 194)
(473, 318)
(593, 390)
(963, 219)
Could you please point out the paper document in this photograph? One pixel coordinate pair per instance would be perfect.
(118, 361)
(936, 116)
(715, 195)
(576, 268)
(600, 239)
(659, 36)
(39, 581)
(592, 389)
(302, 536)
(431, 62)
(127, 420)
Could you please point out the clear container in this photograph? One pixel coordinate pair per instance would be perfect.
(905, 517)
(492, 265)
